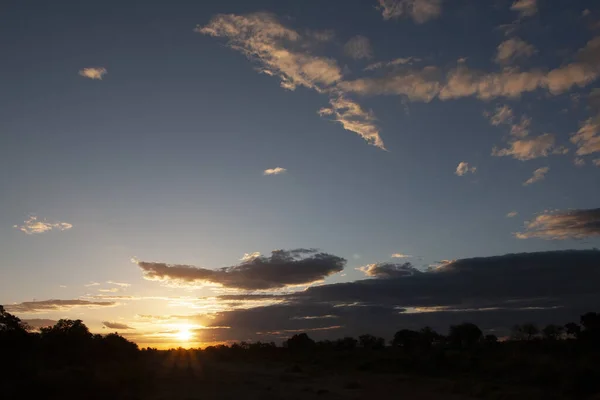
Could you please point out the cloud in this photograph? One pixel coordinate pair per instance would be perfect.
(512, 49)
(596, 162)
(93, 73)
(493, 292)
(502, 115)
(587, 138)
(389, 270)
(250, 256)
(521, 129)
(419, 10)
(274, 171)
(122, 284)
(528, 149)
(278, 50)
(54, 305)
(115, 325)
(525, 8)
(34, 225)
(282, 52)
(579, 162)
(92, 284)
(37, 323)
(111, 290)
(353, 118)
(395, 62)
(283, 268)
(326, 35)
(512, 214)
(561, 225)
(464, 168)
(401, 255)
(429, 82)
(538, 175)
(358, 47)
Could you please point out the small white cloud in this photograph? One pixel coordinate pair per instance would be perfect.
(579, 162)
(596, 162)
(34, 225)
(92, 284)
(401, 255)
(62, 286)
(122, 284)
(528, 149)
(502, 115)
(274, 171)
(111, 290)
(512, 214)
(525, 8)
(585, 12)
(93, 73)
(464, 168)
(538, 175)
(250, 256)
(513, 49)
(358, 47)
(587, 138)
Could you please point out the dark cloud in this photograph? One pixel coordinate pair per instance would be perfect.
(37, 323)
(389, 270)
(570, 224)
(54, 305)
(115, 325)
(494, 292)
(282, 268)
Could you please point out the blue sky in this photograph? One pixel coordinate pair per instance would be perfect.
(145, 129)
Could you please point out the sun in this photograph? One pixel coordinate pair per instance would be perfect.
(184, 334)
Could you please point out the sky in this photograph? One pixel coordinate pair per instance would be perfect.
(190, 173)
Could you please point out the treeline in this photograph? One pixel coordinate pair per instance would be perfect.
(560, 360)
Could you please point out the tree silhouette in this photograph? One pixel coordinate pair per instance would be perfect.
(465, 335)
(526, 331)
(300, 342)
(572, 329)
(368, 341)
(552, 332)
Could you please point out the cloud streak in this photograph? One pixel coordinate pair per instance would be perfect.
(274, 171)
(55, 305)
(464, 168)
(116, 325)
(561, 225)
(283, 268)
(420, 11)
(34, 225)
(538, 175)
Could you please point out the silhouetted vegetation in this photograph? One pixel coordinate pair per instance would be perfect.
(68, 361)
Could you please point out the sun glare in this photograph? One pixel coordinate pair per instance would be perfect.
(184, 334)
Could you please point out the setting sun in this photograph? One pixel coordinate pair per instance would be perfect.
(184, 334)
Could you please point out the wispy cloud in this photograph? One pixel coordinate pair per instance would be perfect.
(35, 225)
(353, 118)
(93, 73)
(525, 8)
(538, 175)
(587, 138)
(116, 325)
(54, 305)
(401, 255)
(121, 284)
(560, 225)
(92, 284)
(282, 52)
(513, 49)
(512, 214)
(430, 82)
(274, 171)
(464, 168)
(395, 62)
(358, 47)
(528, 149)
(262, 38)
(419, 10)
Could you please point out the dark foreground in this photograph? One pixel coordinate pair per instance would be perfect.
(67, 362)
